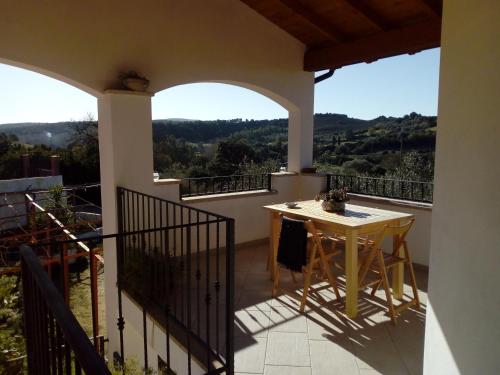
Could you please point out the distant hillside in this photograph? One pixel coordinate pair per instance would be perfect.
(194, 148)
(56, 134)
(197, 131)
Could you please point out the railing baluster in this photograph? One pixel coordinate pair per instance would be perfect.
(207, 290)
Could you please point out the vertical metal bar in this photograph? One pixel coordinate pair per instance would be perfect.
(230, 296)
(93, 296)
(168, 288)
(119, 271)
(269, 181)
(144, 293)
(198, 272)
(67, 357)
(174, 248)
(59, 350)
(188, 287)
(207, 290)
(181, 209)
(65, 272)
(52, 346)
(217, 285)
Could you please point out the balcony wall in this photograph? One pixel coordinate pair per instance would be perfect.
(252, 221)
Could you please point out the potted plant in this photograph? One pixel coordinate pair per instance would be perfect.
(133, 81)
(335, 200)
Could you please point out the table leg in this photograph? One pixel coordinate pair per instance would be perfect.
(351, 269)
(274, 233)
(398, 271)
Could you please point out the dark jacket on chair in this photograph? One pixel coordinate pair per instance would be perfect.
(292, 248)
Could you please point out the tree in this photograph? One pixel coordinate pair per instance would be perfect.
(231, 155)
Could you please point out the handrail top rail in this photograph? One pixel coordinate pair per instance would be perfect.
(379, 178)
(225, 176)
(123, 234)
(85, 353)
(175, 203)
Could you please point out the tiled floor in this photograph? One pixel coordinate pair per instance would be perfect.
(273, 338)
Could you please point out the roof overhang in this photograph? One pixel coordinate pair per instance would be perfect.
(344, 32)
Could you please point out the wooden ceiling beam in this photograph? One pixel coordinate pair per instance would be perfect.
(368, 14)
(409, 39)
(435, 7)
(314, 20)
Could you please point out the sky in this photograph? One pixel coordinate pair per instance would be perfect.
(392, 87)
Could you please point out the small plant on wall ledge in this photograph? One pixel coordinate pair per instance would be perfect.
(133, 81)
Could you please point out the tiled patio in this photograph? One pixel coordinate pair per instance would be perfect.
(272, 337)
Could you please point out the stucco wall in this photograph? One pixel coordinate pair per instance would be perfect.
(21, 184)
(171, 42)
(463, 329)
(419, 237)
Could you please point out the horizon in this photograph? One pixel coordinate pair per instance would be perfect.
(233, 119)
(390, 87)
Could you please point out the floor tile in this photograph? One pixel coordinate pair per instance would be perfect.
(251, 322)
(325, 324)
(272, 337)
(285, 319)
(255, 300)
(288, 349)
(249, 355)
(374, 349)
(286, 370)
(332, 358)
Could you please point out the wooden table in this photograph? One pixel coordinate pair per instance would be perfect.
(355, 221)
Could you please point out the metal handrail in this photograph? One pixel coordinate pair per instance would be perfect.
(417, 191)
(36, 280)
(210, 185)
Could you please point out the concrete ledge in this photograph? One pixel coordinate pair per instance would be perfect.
(167, 181)
(284, 174)
(128, 92)
(236, 195)
(392, 201)
(316, 174)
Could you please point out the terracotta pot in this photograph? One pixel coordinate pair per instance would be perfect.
(333, 206)
(136, 84)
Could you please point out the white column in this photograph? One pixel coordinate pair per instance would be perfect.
(462, 326)
(126, 159)
(300, 132)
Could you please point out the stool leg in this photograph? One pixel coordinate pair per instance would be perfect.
(385, 282)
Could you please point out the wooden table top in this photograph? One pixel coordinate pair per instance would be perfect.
(354, 217)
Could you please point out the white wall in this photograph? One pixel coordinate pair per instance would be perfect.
(170, 42)
(251, 219)
(21, 184)
(419, 237)
(463, 326)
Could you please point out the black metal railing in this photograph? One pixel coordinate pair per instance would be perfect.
(191, 187)
(177, 263)
(419, 191)
(55, 341)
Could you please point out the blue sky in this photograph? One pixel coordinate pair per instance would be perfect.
(391, 87)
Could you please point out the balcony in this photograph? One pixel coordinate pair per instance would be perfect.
(273, 337)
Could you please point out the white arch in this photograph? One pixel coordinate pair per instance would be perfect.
(268, 93)
(51, 74)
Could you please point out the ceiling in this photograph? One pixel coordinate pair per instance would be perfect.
(344, 32)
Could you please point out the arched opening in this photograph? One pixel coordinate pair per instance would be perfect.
(43, 116)
(203, 130)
